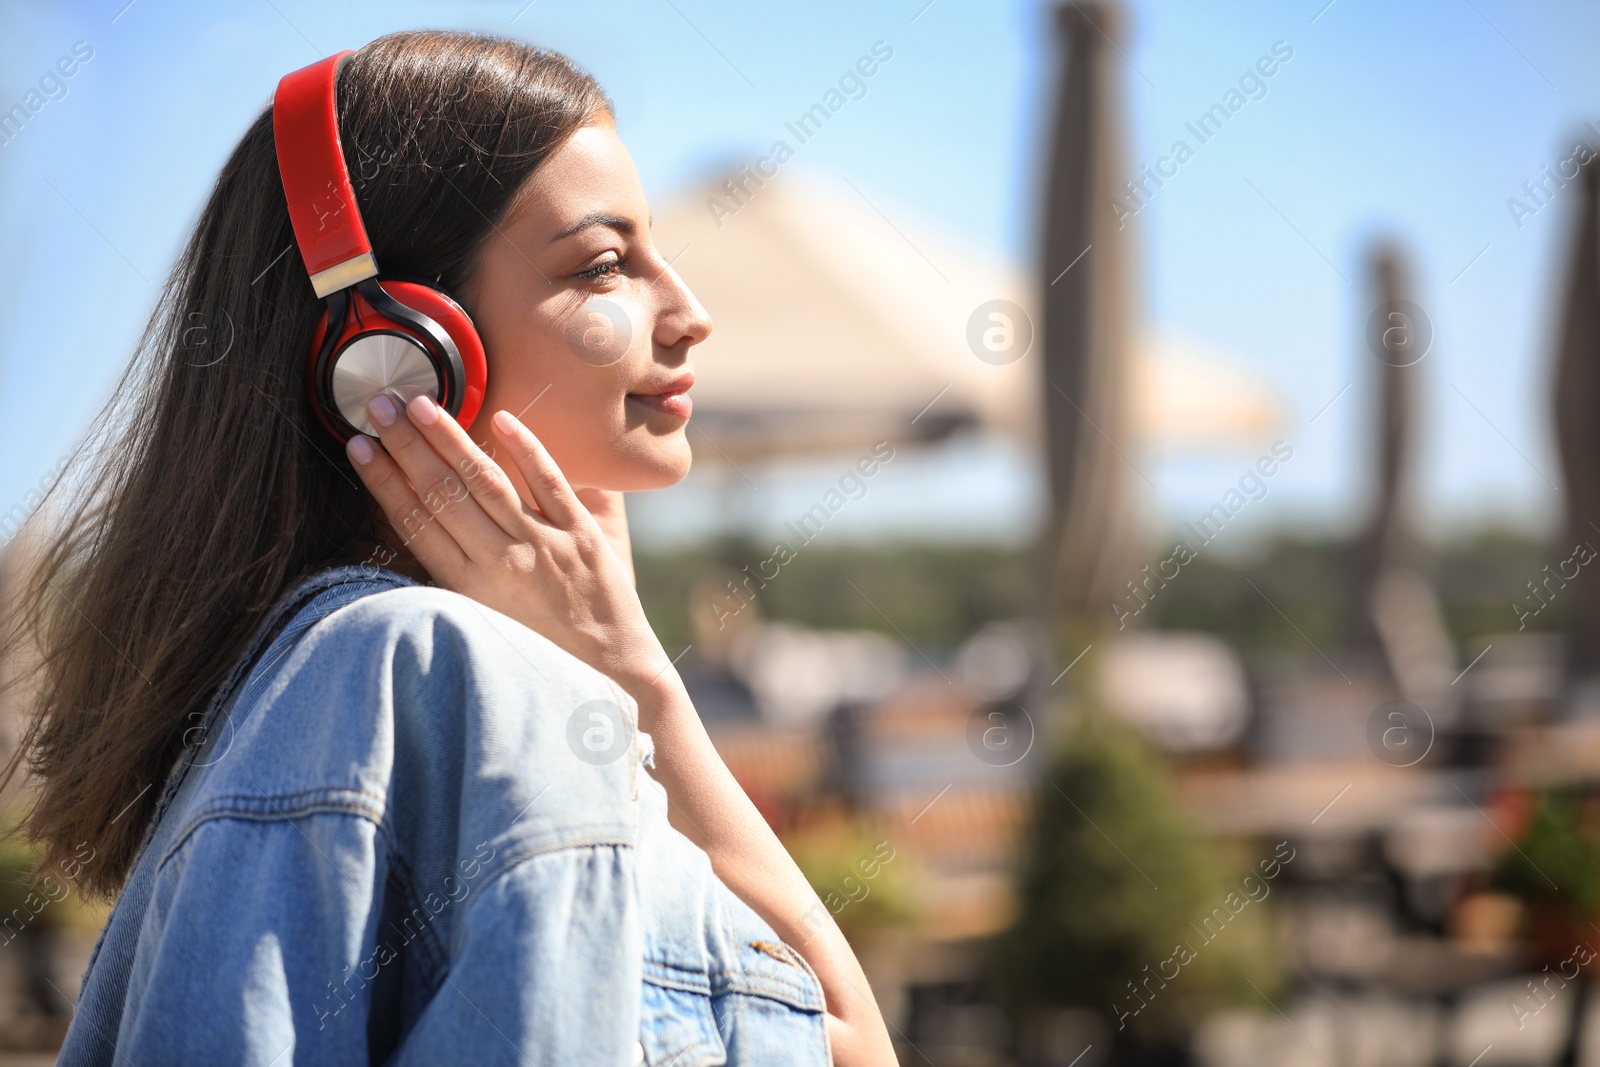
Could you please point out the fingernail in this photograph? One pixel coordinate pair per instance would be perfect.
(504, 421)
(423, 410)
(360, 449)
(382, 410)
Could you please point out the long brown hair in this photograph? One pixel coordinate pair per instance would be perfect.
(212, 488)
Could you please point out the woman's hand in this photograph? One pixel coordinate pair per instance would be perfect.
(547, 563)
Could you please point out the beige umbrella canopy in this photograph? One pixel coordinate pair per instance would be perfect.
(840, 321)
(1184, 395)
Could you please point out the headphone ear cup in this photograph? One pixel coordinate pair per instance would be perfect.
(389, 354)
(319, 364)
(439, 306)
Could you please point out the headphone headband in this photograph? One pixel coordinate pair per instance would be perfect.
(395, 337)
(322, 202)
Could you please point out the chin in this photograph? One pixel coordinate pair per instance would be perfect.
(662, 462)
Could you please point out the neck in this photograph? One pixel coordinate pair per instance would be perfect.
(385, 548)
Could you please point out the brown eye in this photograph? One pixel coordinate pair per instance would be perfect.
(603, 270)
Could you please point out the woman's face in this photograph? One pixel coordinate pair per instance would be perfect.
(586, 326)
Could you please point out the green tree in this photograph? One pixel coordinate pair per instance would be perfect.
(1113, 880)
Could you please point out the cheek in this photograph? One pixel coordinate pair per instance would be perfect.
(536, 356)
(566, 377)
(603, 334)
(584, 346)
(562, 359)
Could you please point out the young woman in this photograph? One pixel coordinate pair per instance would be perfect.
(375, 746)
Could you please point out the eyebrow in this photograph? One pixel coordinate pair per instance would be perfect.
(596, 218)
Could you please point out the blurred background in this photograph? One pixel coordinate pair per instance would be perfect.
(1146, 480)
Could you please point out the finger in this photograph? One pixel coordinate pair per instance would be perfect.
(545, 480)
(440, 491)
(483, 477)
(433, 545)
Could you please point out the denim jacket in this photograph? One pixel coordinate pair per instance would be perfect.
(410, 830)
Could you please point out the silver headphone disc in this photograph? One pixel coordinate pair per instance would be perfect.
(380, 363)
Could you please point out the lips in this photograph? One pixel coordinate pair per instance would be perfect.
(671, 398)
(676, 404)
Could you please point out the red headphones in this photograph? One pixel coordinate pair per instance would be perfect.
(400, 337)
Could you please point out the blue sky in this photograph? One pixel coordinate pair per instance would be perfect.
(1417, 121)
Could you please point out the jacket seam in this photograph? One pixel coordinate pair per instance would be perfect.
(398, 868)
(229, 808)
(718, 981)
(466, 913)
(521, 852)
(320, 802)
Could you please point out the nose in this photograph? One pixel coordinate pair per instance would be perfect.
(681, 320)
